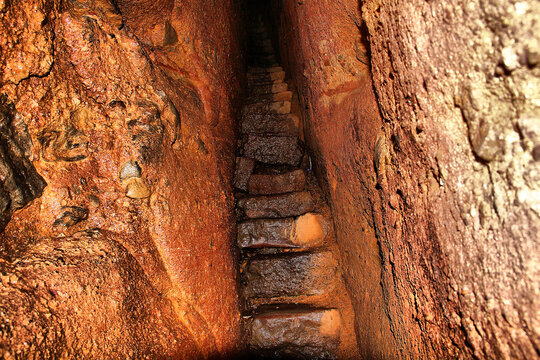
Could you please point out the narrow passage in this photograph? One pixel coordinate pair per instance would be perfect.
(295, 302)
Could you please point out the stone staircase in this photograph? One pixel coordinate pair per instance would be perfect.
(295, 302)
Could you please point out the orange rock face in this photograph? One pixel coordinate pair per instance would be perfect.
(436, 204)
(130, 115)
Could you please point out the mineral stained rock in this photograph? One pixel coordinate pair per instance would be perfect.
(110, 260)
(441, 243)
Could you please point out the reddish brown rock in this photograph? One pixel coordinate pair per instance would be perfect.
(275, 150)
(277, 206)
(151, 82)
(242, 172)
(306, 231)
(437, 272)
(290, 275)
(277, 184)
(296, 333)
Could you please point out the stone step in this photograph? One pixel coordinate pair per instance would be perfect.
(266, 184)
(276, 206)
(269, 76)
(268, 88)
(286, 277)
(274, 150)
(255, 70)
(274, 124)
(277, 107)
(272, 97)
(296, 334)
(304, 232)
(242, 173)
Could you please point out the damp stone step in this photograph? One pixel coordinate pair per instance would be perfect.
(296, 334)
(268, 88)
(270, 124)
(282, 278)
(277, 107)
(276, 206)
(268, 184)
(267, 76)
(270, 97)
(273, 149)
(304, 232)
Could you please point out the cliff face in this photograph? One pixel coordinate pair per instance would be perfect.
(448, 172)
(127, 114)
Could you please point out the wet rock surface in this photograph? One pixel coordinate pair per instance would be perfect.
(118, 117)
(290, 275)
(313, 334)
(306, 231)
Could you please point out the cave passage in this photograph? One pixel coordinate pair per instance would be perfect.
(295, 302)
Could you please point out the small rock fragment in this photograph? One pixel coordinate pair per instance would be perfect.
(72, 216)
(130, 169)
(136, 189)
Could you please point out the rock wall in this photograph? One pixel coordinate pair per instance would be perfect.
(441, 242)
(129, 109)
(322, 45)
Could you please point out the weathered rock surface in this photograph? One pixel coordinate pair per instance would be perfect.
(274, 124)
(274, 149)
(288, 275)
(19, 181)
(100, 84)
(306, 231)
(61, 296)
(307, 333)
(277, 206)
(242, 173)
(267, 184)
(441, 261)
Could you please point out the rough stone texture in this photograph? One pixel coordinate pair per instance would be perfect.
(68, 297)
(99, 83)
(312, 334)
(271, 149)
(277, 184)
(277, 206)
(272, 88)
(277, 276)
(19, 181)
(306, 231)
(274, 124)
(454, 198)
(242, 172)
(264, 108)
(458, 174)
